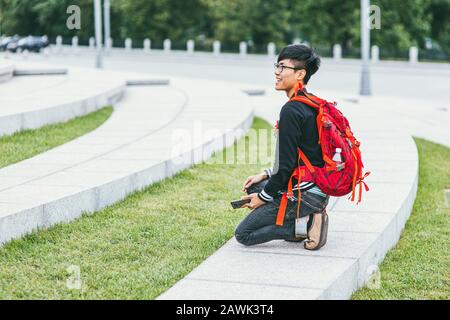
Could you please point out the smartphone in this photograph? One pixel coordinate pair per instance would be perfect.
(239, 203)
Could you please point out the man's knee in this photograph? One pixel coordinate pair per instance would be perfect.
(242, 237)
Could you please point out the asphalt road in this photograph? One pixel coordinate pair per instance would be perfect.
(398, 79)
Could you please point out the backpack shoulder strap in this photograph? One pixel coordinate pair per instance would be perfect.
(302, 96)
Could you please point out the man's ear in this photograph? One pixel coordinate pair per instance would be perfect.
(301, 74)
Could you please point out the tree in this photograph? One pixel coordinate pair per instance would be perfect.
(257, 21)
(403, 24)
(326, 21)
(160, 19)
(439, 10)
(320, 22)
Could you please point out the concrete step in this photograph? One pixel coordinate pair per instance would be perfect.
(30, 102)
(154, 133)
(6, 70)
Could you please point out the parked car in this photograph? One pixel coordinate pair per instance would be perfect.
(433, 51)
(7, 40)
(29, 43)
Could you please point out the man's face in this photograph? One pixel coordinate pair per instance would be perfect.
(286, 77)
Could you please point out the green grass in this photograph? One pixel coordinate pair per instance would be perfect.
(137, 248)
(141, 246)
(28, 143)
(419, 265)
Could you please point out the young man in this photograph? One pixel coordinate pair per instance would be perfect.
(296, 128)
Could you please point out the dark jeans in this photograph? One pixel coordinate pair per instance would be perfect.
(259, 226)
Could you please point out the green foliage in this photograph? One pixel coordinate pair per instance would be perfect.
(439, 10)
(160, 19)
(403, 24)
(320, 22)
(326, 21)
(259, 21)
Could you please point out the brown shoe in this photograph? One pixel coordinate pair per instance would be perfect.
(296, 239)
(317, 232)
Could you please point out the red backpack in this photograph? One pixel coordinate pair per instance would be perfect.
(334, 179)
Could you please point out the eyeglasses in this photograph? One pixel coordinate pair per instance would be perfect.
(280, 67)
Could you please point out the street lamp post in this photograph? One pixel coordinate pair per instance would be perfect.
(365, 47)
(98, 32)
(106, 13)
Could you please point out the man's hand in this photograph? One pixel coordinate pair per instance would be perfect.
(255, 202)
(253, 180)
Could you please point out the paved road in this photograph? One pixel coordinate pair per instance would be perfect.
(388, 78)
(416, 98)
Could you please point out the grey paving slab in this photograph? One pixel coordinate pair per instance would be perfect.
(339, 244)
(76, 179)
(263, 269)
(195, 289)
(382, 197)
(134, 148)
(362, 222)
(32, 194)
(30, 170)
(32, 102)
(6, 70)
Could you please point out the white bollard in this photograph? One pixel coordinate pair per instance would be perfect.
(271, 49)
(147, 45)
(46, 52)
(128, 44)
(337, 52)
(413, 55)
(190, 46)
(58, 44)
(243, 49)
(167, 45)
(92, 43)
(75, 45)
(109, 45)
(375, 54)
(216, 47)
(25, 53)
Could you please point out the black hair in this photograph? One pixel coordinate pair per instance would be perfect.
(303, 57)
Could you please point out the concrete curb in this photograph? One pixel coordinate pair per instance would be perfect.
(64, 204)
(37, 114)
(6, 71)
(60, 113)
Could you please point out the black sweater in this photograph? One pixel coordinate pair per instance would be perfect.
(297, 128)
